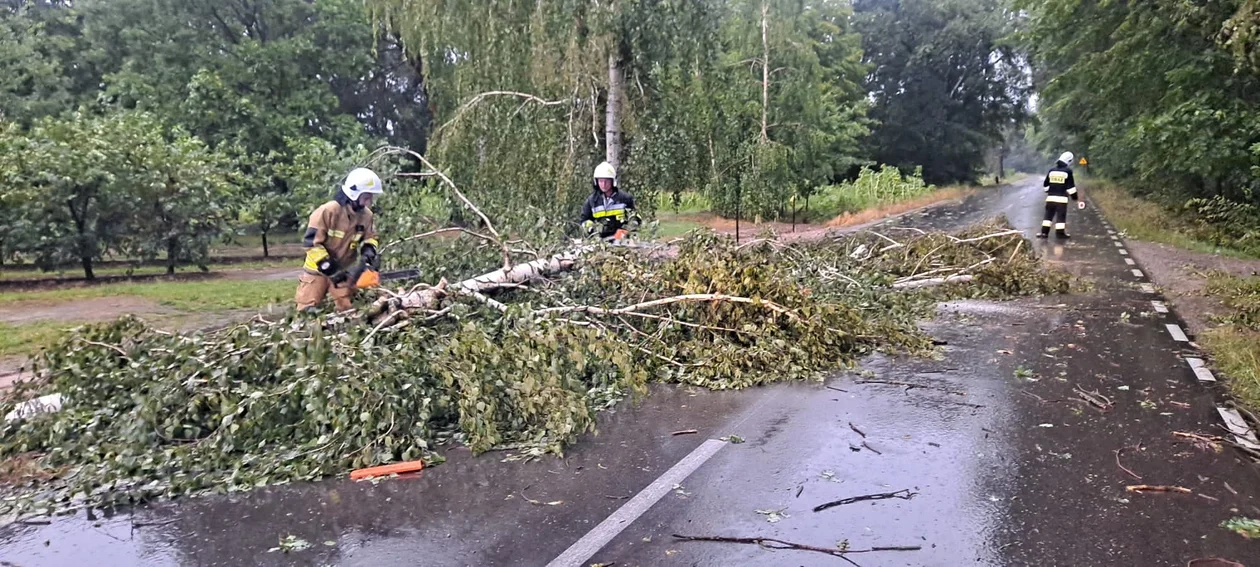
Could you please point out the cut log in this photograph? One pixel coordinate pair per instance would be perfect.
(490, 281)
(932, 281)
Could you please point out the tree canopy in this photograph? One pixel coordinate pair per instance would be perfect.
(1162, 93)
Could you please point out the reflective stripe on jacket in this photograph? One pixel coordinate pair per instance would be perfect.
(335, 230)
(1060, 185)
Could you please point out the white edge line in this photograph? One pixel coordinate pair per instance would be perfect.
(1159, 306)
(1129, 261)
(583, 549)
(1238, 427)
(1200, 369)
(1177, 334)
(1123, 251)
(1137, 272)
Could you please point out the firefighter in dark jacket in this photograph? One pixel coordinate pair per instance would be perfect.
(608, 209)
(339, 233)
(1060, 186)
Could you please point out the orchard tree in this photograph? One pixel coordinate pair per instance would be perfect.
(184, 194)
(65, 172)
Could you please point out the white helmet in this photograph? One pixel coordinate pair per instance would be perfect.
(606, 171)
(361, 181)
(1066, 158)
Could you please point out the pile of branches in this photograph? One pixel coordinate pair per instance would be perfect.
(149, 414)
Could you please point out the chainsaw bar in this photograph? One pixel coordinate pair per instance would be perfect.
(400, 275)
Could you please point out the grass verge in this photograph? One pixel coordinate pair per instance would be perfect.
(27, 339)
(1144, 220)
(1235, 344)
(212, 295)
(1236, 351)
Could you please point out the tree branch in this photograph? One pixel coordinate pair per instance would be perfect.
(464, 108)
(498, 239)
(691, 298)
(771, 543)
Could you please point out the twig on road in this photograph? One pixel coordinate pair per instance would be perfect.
(903, 494)
(1094, 398)
(910, 386)
(1122, 467)
(1153, 488)
(856, 430)
(685, 432)
(771, 543)
(871, 449)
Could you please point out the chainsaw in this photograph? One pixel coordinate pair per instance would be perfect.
(367, 276)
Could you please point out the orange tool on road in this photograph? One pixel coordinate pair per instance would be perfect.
(386, 470)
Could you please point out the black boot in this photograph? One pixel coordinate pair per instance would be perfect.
(1043, 235)
(1062, 234)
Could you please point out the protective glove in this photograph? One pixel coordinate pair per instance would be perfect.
(589, 226)
(328, 267)
(371, 258)
(339, 278)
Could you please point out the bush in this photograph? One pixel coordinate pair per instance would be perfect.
(1225, 223)
(870, 189)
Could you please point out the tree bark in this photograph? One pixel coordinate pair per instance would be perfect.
(521, 273)
(612, 131)
(264, 239)
(765, 71)
(172, 254)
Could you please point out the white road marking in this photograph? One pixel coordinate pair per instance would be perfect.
(1148, 288)
(1123, 251)
(1159, 306)
(1200, 369)
(1114, 237)
(1109, 231)
(1177, 334)
(595, 540)
(1242, 433)
(1119, 244)
(1137, 272)
(1129, 261)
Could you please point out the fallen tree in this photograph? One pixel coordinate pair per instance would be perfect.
(148, 414)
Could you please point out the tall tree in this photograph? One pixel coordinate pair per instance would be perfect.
(791, 104)
(67, 177)
(944, 82)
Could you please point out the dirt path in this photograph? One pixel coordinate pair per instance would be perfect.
(787, 232)
(1183, 274)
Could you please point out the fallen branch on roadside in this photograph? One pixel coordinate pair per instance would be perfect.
(1154, 488)
(1122, 467)
(910, 386)
(933, 281)
(778, 544)
(1094, 398)
(689, 298)
(855, 429)
(903, 494)
(1214, 442)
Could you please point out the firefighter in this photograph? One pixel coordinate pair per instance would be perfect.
(608, 209)
(1059, 187)
(339, 232)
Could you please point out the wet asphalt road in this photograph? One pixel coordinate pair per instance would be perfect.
(1007, 464)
